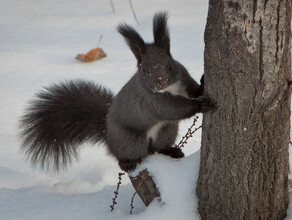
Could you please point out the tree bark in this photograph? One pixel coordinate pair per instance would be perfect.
(244, 154)
(145, 187)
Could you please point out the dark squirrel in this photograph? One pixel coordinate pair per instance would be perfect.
(140, 120)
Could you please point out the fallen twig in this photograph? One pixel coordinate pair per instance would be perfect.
(132, 201)
(99, 40)
(116, 192)
(112, 5)
(189, 134)
(133, 11)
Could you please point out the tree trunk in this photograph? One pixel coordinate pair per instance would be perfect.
(244, 155)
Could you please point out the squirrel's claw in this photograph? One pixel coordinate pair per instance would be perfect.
(206, 104)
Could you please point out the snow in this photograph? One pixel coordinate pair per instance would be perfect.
(175, 184)
(38, 42)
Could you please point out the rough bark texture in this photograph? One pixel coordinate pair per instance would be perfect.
(145, 187)
(244, 155)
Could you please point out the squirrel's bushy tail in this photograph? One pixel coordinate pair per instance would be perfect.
(62, 117)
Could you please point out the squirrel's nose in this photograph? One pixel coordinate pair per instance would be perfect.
(161, 82)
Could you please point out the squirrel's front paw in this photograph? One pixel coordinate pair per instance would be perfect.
(206, 104)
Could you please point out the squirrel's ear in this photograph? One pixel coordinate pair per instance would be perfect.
(160, 31)
(134, 40)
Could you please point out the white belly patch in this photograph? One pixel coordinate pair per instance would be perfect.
(177, 88)
(153, 131)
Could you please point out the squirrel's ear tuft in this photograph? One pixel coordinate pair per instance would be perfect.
(160, 31)
(133, 39)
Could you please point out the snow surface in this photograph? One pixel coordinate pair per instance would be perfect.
(38, 42)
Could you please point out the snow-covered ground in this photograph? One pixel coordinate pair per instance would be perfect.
(38, 42)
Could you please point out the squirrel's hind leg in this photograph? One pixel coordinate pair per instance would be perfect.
(173, 152)
(128, 165)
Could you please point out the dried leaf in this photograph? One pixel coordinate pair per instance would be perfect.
(94, 54)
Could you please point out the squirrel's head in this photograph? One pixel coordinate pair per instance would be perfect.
(154, 61)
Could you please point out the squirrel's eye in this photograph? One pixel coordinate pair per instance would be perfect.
(169, 66)
(143, 70)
